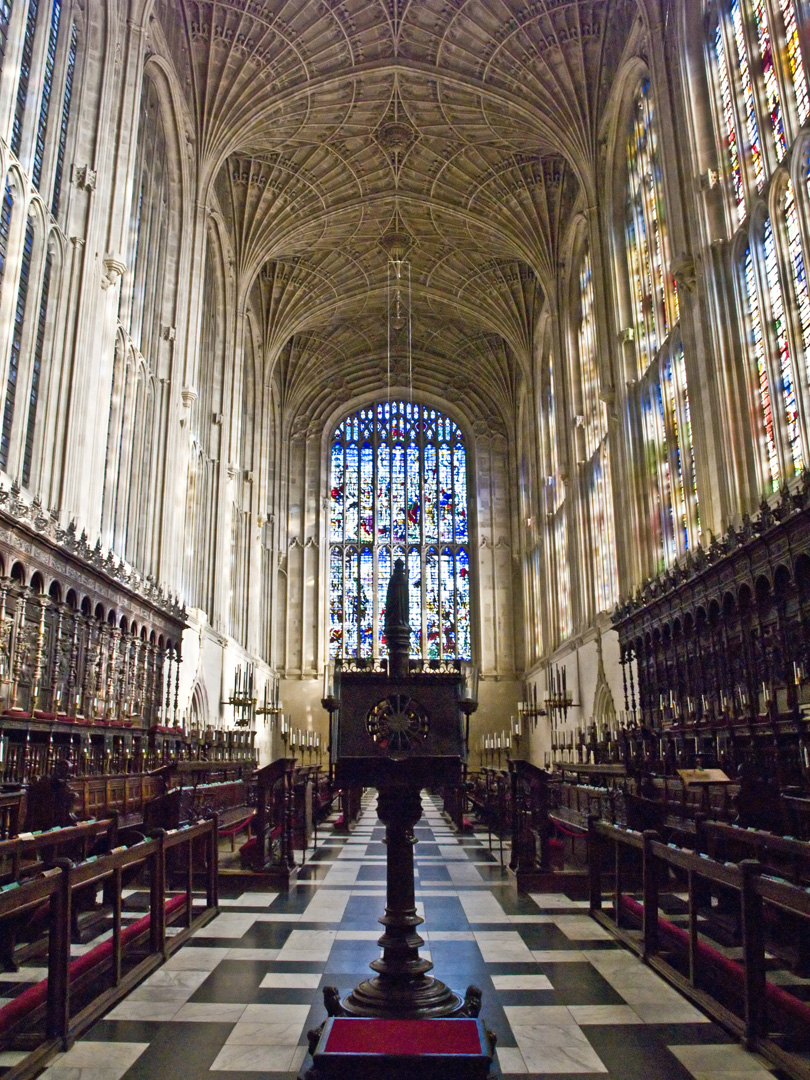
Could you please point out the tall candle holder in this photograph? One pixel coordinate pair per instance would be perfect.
(242, 699)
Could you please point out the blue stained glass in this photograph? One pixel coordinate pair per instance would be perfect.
(398, 491)
(5, 19)
(335, 602)
(785, 360)
(383, 577)
(445, 493)
(448, 590)
(351, 611)
(47, 90)
(336, 492)
(365, 602)
(5, 224)
(460, 491)
(414, 494)
(351, 495)
(63, 124)
(25, 76)
(431, 494)
(398, 472)
(366, 492)
(463, 603)
(383, 492)
(432, 615)
(16, 345)
(30, 427)
(415, 600)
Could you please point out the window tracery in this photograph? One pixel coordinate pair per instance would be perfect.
(398, 489)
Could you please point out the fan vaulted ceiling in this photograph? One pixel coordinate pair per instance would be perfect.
(461, 130)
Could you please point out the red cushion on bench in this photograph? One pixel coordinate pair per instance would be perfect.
(349, 1035)
(778, 999)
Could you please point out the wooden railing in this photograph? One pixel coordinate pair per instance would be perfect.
(738, 994)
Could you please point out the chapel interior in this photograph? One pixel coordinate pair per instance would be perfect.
(509, 297)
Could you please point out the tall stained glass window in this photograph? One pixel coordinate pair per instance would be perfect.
(654, 295)
(5, 20)
(786, 370)
(764, 404)
(729, 123)
(748, 93)
(398, 490)
(16, 345)
(47, 90)
(773, 98)
(25, 75)
(794, 58)
(598, 492)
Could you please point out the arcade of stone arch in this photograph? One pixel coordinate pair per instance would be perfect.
(580, 415)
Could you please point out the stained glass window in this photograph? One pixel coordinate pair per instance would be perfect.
(5, 224)
(799, 269)
(744, 69)
(30, 428)
(655, 297)
(47, 90)
(729, 121)
(398, 476)
(25, 76)
(63, 124)
(601, 533)
(762, 384)
(771, 81)
(786, 372)
(565, 615)
(794, 58)
(5, 19)
(16, 345)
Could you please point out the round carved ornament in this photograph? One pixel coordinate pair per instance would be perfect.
(398, 725)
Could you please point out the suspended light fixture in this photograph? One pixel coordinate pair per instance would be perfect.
(397, 242)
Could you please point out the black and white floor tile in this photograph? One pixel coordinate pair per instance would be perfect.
(562, 997)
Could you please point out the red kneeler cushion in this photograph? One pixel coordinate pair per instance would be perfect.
(403, 1037)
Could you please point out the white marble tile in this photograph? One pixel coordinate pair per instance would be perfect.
(721, 1061)
(277, 1034)
(11, 1057)
(281, 916)
(327, 905)
(355, 851)
(89, 1054)
(209, 1012)
(511, 1060)
(521, 982)
(182, 979)
(276, 1014)
(25, 974)
(464, 873)
(143, 1010)
(604, 1014)
(552, 1047)
(298, 1059)
(447, 935)
(531, 918)
(307, 945)
(559, 956)
(480, 906)
(233, 1057)
(250, 899)
(358, 935)
(342, 874)
(545, 1015)
(581, 928)
(552, 901)
(194, 958)
(677, 1012)
(296, 980)
(503, 947)
(176, 995)
(227, 925)
(253, 954)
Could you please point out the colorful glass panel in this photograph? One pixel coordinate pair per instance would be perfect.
(47, 90)
(772, 95)
(433, 622)
(384, 568)
(336, 492)
(385, 490)
(460, 492)
(796, 253)
(365, 601)
(785, 360)
(63, 123)
(36, 367)
(5, 225)
(25, 76)
(729, 123)
(366, 492)
(16, 345)
(5, 19)
(655, 297)
(744, 69)
(415, 600)
(763, 387)
(463, 602)
(448, 591)
(795, 63)
(336, 602)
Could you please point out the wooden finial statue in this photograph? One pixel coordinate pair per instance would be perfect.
(397, 627)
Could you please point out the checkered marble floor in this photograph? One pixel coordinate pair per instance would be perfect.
(563, 999)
